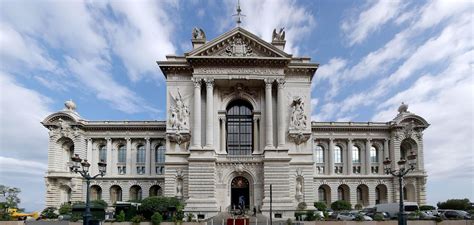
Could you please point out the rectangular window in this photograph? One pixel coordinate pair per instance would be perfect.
(319, 154)
(159, 169)
(355, 155)
(338, 156)
(373, 155)
(140, 169)
(122, 170)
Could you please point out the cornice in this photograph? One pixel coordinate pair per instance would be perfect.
(354, 126)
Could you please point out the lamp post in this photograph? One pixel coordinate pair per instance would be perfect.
(77, 162)
(400, 173)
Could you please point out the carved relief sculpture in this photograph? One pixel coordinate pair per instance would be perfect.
(238, 47)
(280, 36)
(298, 131)
(179, 120)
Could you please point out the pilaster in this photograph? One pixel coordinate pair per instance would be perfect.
(281, 113)
(349, 156)
(147, 156)
(196, 133)
(129, 156)
(209, 112)
(331, 158)
(368, 144)
(109, 156)
(268, 114)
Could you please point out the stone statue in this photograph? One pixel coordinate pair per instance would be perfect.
(179, 114)
(179, 188)
(298, 117)
(198, 33)
(299, 187)
(280, 36)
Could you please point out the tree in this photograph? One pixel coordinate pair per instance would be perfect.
(341, 205)
(11, 195)
(49, 213)
(321, 206)
(65, 208)
(160, 204)
(458, 204)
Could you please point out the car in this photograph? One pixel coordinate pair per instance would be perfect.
(455, 214)
(383, 215)
(427, 216)
(345, 216)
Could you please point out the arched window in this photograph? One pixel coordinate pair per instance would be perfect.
(135, 193)
(322, 194)
(122, 154)
(96, 192)
(141, 154)
(155, 190)
(103, 153)
(239, 128)
(337, 154)
(160, 152)
(115, 194)
(374, 156)
(355, 154)
(319, 154)
(359, 194)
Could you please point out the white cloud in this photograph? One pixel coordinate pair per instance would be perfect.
(370, 20)
(22, 110)
(144, 36)
(26, 167)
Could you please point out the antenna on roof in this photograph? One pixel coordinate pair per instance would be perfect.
(238, 15)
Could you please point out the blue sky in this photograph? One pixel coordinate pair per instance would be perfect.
(373, 56)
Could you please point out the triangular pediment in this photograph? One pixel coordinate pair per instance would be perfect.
(238, 43)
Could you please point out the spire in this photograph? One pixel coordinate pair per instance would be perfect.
(238, 15)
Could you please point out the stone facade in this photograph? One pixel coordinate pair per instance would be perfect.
(238, 121)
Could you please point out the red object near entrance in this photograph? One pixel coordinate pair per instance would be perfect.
(238, 221)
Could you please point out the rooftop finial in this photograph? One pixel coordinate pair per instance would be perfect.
(238, 15)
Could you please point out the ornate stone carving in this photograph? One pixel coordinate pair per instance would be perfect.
(239, 89)
(409, 128)
(238, 47)
(179, 183)
(196, 82)
(239, 168)
(280, 36)
(237, 70)
(198, 33)
(179, 114)
(298, 120)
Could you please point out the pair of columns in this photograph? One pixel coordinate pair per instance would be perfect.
(269, 113)
(196, 135)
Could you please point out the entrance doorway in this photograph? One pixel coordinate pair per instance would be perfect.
(239, 193)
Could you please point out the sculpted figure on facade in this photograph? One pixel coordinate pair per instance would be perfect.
(179, 183)
(238, 47)
(198, 33)
(298, 117)
(280, 36)
(179, 114)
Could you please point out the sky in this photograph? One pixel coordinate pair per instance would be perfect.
(373, 55)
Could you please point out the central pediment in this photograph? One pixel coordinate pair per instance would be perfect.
(237, 43)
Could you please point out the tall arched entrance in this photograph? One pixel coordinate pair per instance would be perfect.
(240, 193)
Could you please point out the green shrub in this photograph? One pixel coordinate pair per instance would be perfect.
(359, 217)
(99, 202)
(289, 222)
(326, 214)
(321, 206)
(378, 217)
(358, 206)
(137, 219)
(75, 217)
(341, 205)
(120, 217)
(156, 219)
(49, 213)
(310, 215)
(65, 208)
(160, 204)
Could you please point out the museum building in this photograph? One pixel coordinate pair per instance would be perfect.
(238, 120)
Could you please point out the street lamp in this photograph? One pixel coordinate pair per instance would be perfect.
(400, 173)
(77, 162)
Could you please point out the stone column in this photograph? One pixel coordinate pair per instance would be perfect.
(383, 155)
(197, 114)
(349, 156)
(331, 158)
(89, 156)
(147, 157)
(109, 156)
(129, 156)
(256, 146)
(368, 144)
(209, 112)
(268, 114)
(223, 135)
(281, 113)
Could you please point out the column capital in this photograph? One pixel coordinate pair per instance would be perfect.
(197, 82)
(350, 140)
(281, 82)
(108, 139)
(147, 139)
(128, 139)
(369, 140)
(268, 82)
(209, 82)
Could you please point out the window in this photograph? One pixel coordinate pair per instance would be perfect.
(140, 169)
(141, 154)
(359, 193)
(239, 128)
(122, 170)
(322, 194)
(102, 153)
(319, 154)
(122, 154)
(159, 170)
(337, 154)
(355, 154)
(374, 156)
(160, 154)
